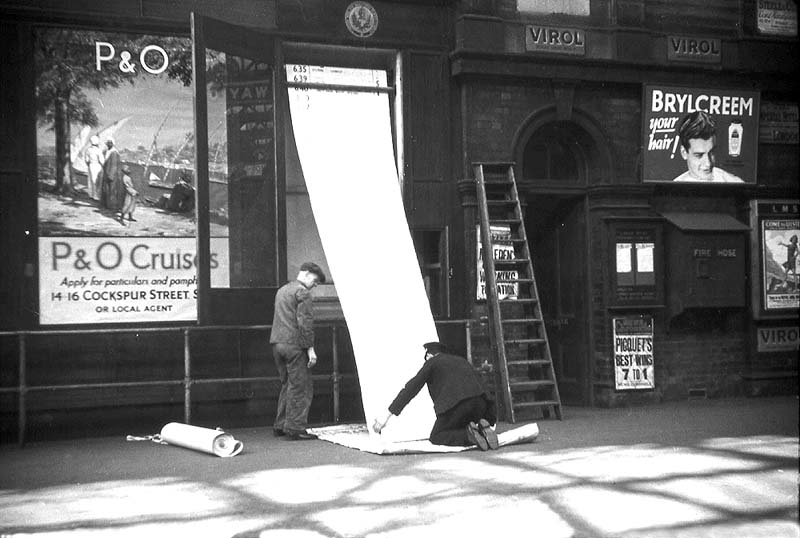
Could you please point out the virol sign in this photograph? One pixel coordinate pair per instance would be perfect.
(552, 39)
(694, 49)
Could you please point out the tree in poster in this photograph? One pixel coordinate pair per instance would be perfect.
(66, 67)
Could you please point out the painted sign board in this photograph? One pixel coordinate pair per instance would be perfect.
(553, 39)
(694, 49)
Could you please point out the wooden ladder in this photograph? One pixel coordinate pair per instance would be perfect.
(517, 335)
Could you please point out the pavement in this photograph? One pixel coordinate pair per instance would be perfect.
(693, 469)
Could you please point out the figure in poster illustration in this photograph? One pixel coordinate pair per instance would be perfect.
(780, 238)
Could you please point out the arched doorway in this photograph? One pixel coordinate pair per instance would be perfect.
(556, 159)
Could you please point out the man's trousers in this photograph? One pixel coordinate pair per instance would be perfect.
(450, 427)
(297, 390)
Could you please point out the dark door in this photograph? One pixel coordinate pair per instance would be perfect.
(555, 227)
(236, 171)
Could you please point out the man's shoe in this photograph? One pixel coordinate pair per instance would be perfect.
(301, 435)
(277, 432)
(476, 437)
(488, 432)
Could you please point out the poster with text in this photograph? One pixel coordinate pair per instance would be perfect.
(780, 284)
(122, 279)
(633, 353)
(116, 173)
(503, 249)
(718, 142)
(777, 17)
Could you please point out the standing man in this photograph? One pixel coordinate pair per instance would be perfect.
(94, 162)
(292, 340)
(464, 410)
(112, 191)
(697, 134)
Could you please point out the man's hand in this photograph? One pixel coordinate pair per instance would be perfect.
(312, 357)
(377, 426)
(380, 424)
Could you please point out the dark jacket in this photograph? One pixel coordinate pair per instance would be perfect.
(293, 322)
(450, 379)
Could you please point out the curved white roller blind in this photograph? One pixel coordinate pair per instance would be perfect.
(344, 141)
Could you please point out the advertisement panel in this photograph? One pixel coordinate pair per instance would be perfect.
(116, 171)
(778, 124)
(122, 279)
(633, 353)
(502, 251)
(777, 17)
(699, 135)
(779, 256)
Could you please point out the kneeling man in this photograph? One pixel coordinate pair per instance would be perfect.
(464, 410)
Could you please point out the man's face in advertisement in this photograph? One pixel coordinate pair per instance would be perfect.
(699, 158)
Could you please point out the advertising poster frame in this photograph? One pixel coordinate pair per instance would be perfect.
(116, 183)
(633, 351)
(773, 223)
(502, 251)
(735, 115)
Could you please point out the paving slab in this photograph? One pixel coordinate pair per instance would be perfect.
(706, 468)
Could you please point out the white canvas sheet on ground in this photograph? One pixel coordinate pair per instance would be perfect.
(356, 436)
(344, 142)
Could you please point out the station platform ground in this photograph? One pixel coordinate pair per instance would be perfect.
(693, 469)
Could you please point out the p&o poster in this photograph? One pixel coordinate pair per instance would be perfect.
(633, 353)
(116, 172)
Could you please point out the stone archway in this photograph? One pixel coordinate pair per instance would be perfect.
(557, 158)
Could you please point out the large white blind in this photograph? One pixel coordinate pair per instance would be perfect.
(344, 141)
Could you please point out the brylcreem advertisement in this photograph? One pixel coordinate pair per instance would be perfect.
(697, 135)
(116, 179)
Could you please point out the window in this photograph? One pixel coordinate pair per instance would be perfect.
(635, 265)
(557, 152)
(318, 67)
(549, 7)
(431, 247)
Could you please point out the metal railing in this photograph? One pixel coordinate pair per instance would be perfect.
(24, 391)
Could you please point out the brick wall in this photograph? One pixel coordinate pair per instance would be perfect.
(497, 112)
(692, 365)
(691, 359)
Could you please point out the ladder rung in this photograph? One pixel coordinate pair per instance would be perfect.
(501, 202)
(531, 384)
(514, 261)
(509, 240)
(541, 403)
(521, 300)
(487, 164)
(525, 341)
(537, 362)
(511, 321)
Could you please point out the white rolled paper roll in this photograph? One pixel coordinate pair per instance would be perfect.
(206, 440)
